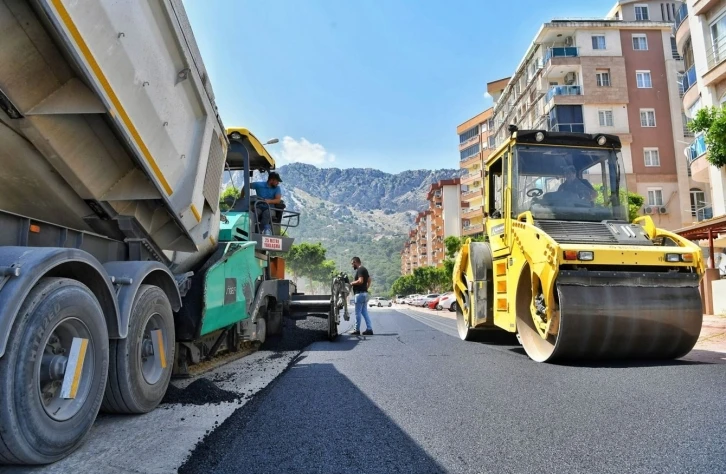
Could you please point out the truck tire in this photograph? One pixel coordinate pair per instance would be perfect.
(38, 425)
(137, 376)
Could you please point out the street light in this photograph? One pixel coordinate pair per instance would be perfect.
(272, 141)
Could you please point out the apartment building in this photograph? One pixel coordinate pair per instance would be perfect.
(700, 34)
(618, 75)
(475, 143)
(425, 244)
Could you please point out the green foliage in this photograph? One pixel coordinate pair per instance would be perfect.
(306, 260)
(424, 280)
(712, 121)
(405, 285)
(227, 197)
(635, 201)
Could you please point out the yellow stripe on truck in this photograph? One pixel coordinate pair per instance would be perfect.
(196, 213)
(79, 368)
(68, 22)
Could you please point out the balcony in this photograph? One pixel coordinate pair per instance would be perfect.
(691, 93)
(702, 6)
(682, 27)
(561, 52)
(555, 91)
(472, 212)
(471, 195)
(471, 177)
(473, 229)
(699, 166)
(715, 61)
(470, 161)
(704, 213)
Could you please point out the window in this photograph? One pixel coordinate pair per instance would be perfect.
(603, 77)
(469, 134)
(598, 42)
(655, 197)
(647, 117)
(651, 157)
(643, 79)
(640, 43)
(469, 151)
(698, 200)
(641, 13)
(606, 118)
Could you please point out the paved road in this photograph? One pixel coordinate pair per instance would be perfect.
(414, 398)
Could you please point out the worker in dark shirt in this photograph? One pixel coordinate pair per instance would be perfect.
(577, 186)
(360, 284)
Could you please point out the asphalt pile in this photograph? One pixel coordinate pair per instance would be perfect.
(199, 392)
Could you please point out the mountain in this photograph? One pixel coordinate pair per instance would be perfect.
(357, 212)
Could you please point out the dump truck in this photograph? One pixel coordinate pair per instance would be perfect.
(117, 266)
(562, 265)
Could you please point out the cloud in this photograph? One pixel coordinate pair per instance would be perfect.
(487, 95)
(302, 151)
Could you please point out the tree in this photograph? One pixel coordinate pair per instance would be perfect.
(323, 274)
(304, 259)
(405, 285)
(712, 121)
(635, 201)
(228, 195)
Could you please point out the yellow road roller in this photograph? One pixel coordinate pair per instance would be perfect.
(565, 268)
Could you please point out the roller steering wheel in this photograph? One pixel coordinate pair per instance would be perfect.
(535, 192)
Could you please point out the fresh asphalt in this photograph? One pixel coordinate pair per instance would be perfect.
(415, 398)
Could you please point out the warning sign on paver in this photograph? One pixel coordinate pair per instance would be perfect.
(271, 243)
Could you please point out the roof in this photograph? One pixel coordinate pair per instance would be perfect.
(440, 184)
(259, 157)
(475, 120)
(701, 230)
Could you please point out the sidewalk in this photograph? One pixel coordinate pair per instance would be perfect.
(710, 348)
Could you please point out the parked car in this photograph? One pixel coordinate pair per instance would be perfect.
(410, 299)
(426, 299)
(380, 302)
(433, 303)
(447, 301)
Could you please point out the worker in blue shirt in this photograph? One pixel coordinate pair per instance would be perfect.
(269, 192)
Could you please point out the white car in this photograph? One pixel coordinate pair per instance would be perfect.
(380, 302)
(409, 299)
(447, 301)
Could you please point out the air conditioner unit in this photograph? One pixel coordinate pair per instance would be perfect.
(649, 210)
(662, 210)
(569, 41)
(570, 78)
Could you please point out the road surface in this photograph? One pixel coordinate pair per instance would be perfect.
(415, 398)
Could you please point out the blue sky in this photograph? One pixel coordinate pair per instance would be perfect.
(369, 83)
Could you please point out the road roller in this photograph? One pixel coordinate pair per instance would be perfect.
(564, 267)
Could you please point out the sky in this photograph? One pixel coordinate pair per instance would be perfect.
(365, 84)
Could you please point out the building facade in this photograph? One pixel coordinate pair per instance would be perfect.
(425, 244)
(700, 34)
(475, 143)
(620, 75)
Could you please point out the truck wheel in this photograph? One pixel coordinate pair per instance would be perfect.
(59, 329)
(140, 366)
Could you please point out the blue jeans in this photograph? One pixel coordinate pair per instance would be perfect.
(361, 309)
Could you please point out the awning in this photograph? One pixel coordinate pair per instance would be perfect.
(247, 145)
(704, 230)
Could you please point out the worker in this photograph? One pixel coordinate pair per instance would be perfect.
(270, 193)
(360, 284)
(578, 186)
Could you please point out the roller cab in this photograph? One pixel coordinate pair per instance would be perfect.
(563, 266)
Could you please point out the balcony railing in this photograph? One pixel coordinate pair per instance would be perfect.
(717, 52)
(563, 90)
(681, 15)
(689, 78)
(567, 127)
(697, 149)
(704, 213)
(561, 52)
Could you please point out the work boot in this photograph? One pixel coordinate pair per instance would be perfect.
(355, 333)
(368, 332)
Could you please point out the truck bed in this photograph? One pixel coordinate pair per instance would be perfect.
(108, 123)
